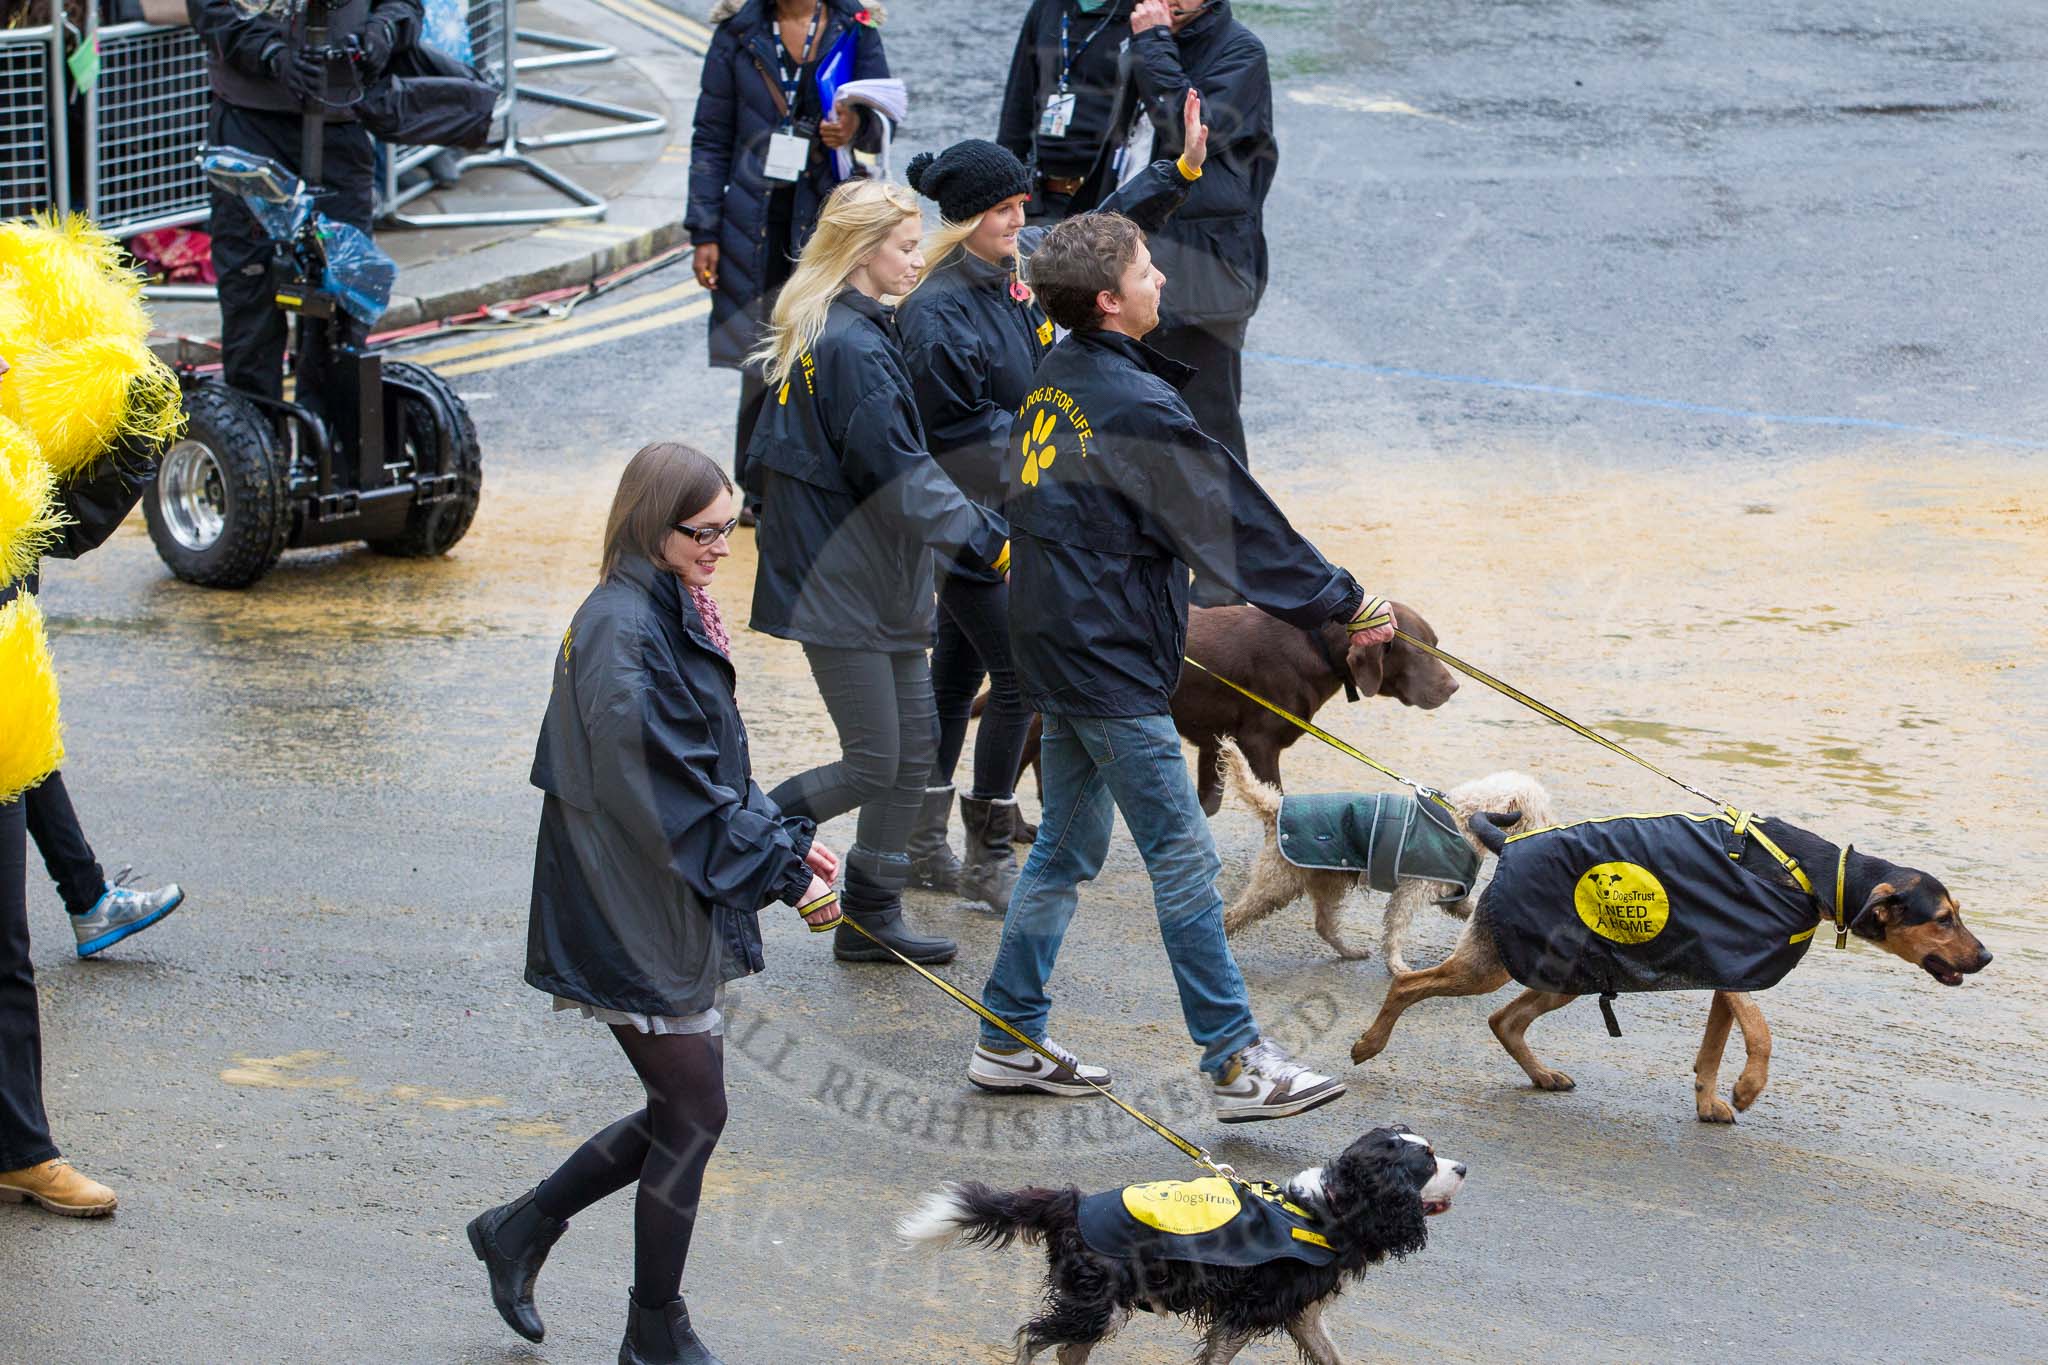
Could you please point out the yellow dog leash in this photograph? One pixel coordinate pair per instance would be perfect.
(1198, 1155)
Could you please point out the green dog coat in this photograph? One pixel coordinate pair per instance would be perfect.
(1391, 839)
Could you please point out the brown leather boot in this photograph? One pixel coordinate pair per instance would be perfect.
(59, 1188)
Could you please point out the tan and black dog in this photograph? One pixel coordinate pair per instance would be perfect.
(1908, 913)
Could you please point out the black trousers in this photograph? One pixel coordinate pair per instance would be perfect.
(24, 1128)
(53, 824)
(881, 705)
(252, 328)
(973, 643)
(1216, 351)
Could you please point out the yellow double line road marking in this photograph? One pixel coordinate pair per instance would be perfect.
(517, 344)
(680, 27)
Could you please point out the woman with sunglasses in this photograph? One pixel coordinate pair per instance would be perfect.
(852, 509)
(656, 852)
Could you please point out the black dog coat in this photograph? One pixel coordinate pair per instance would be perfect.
(1212, 1221)
(1391, 839)
(1645, 903)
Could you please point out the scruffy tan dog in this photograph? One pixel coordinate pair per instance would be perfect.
(1275, 882)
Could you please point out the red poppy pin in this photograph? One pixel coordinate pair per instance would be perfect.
(864, 17)
(1019, 291)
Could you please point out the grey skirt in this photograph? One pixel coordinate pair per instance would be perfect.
(710, 1021)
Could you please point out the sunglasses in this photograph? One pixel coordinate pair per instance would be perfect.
(706, 535)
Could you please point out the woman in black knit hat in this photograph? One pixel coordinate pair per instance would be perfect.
(972, 338)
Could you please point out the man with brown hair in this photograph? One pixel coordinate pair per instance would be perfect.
(1113, 493)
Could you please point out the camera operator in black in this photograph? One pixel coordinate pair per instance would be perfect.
(264, 76)
(1060, 98)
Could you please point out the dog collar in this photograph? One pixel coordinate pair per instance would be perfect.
(1841, 889)
(1336, 664)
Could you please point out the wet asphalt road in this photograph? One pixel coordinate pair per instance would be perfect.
(308, 1079)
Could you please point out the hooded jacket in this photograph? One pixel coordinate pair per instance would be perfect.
(238, 43)
(656, 848)
(1113, 493)
(1214, 251)
(972, 345)
(738, 109)
(852, 505)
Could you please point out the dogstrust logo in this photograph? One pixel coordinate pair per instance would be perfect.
(1038, 448)
(1623, 902)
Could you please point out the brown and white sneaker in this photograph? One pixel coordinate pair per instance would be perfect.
(58, 1187)
(1261, 1082)
(1023, 1069)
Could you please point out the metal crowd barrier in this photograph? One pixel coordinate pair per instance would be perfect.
(145, 121)
(34, 154)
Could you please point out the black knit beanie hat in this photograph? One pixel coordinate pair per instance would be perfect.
(968, 178)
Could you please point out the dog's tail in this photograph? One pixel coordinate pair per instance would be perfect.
(1491, 828)
(1262, 797)
(973, 1214)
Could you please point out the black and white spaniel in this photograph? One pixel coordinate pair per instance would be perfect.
(1239, 1261)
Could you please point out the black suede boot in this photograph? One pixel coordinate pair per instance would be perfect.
(932, 864)
(662, 1336)
(990, 872)
(512, 1240)
(872, 897)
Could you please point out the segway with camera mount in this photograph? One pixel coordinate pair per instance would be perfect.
(389, 457)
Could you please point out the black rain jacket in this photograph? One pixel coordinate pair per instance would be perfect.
(1213, 253)
(1093, 76)
(972, 345)
(656, 849)
(238, 40)
(738, 109)
(1113, 493)
(852, 504)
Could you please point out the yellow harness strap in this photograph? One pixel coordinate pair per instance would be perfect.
(1841, 889)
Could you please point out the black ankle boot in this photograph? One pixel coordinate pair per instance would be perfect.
(872, 897)
(662, 1336)
(512, 1241)
(932, 864)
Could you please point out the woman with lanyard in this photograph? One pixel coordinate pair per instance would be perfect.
(1061, 97)
(761, 164)
(852, 509)
(656, 854)
(972, 338)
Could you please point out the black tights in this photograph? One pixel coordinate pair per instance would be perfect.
(664, 1147)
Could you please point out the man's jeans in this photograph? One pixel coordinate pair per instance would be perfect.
(1135, 762)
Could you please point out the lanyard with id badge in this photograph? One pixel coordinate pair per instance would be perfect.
(1058, 114)
(789, 150)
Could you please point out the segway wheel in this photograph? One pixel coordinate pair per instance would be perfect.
(433, 528)
(217, 509)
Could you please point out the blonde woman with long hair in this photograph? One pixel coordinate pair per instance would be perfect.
(973, 336)
(852, 509)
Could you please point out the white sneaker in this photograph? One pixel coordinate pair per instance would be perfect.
(1022, 1069)
(1261, 1083)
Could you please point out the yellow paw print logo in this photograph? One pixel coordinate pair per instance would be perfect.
(1038, 449)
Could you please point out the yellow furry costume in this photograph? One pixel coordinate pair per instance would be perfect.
(80, 376)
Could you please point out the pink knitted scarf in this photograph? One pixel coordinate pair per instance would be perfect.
(714, 624)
